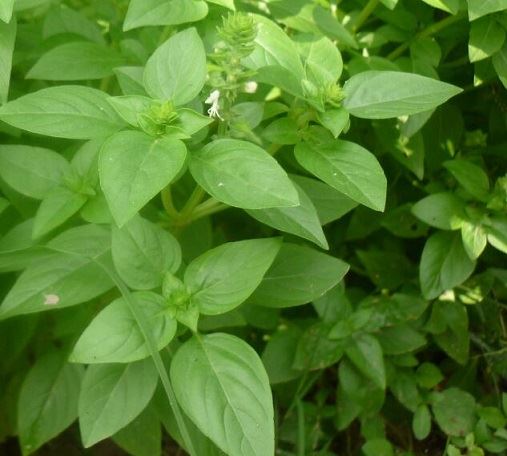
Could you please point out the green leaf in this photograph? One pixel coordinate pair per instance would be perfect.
(497, 233)
(347, 167)
(142, 436)
(114, 336)
(74, 112)
(274, 48)
(378, 447)
(56, 208)
(322, 60)
(441, 210)
(335, 120)
(242, 174)
(298, 276)
(400, 339)
(328, 24)
(486, 37)
(300, 220)
(62, 20)
(130, 79)
(163, 12)
(60, 279)
(444, 264)
(500, 64)
(279, 352)
(129, 107)
(385, 94)
(282, 131)
(479, 8)
(493, 417)
(428, 375)
(6, 8)
(177, 69)
(329, 203)
(224, 277)
(31, 171)
(421, 422)
(7, 38)
(471, 177)
(48, 400)
(222, 386)
(112, 395)
(134, 167)
(365, 352)
(60, 63)
(143, 252)
(475, 239)
(454, 411)
(451, 6)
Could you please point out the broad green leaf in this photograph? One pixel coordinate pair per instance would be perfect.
(63, 20)
(322, 60)
(142, 436)
(347, 167)
(298, 276)
(365, 353)
(274, 48)
(497, 233)
(222, 386)
(300, 220)
(475, 239)
(451, 6)
(143, 252)
(335, 120)
(454, 411)
(112, 395)
(470, 176)
(6, 8)
(163, 12)
(242, 174)
(479, 8)
(130, 79)
(399, 339)
(486, 37)
(114, 335)
(61, 279)
(282, 131)
(31, 171)
(441, 210)
(74, 112)
(391, 4)
(421, 422)
(129, 107)
(500, 64)
(56, 208)
(385, 94)
(455, 339)
(378, 446)
(7, 39)
(48, 399)
(279, 352)
(444, 264)
(177, 69)
(333, 28)
(60, 63)
(134, 167)
(222, 278)
(329, 203)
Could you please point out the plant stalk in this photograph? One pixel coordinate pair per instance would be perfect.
(364, 14)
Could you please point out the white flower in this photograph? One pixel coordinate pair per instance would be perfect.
(213, 101)
(250, 87)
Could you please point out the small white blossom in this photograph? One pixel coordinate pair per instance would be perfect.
(250, 87)
(213, 101)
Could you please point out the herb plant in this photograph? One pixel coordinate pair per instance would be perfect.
(244, 228)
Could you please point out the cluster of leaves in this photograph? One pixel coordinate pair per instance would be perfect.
(162, 271)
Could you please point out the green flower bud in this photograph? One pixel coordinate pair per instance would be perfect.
(238, 30)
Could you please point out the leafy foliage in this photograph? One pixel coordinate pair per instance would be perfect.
(231, 227)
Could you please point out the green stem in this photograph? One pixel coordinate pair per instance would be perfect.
(364, 14)
(301, 441)
(429, 31)
(167, 202)
(200, 213)
(193, 201)
(145, 329)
